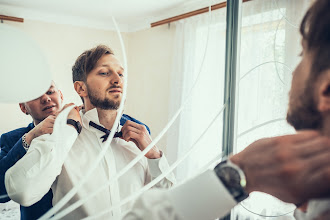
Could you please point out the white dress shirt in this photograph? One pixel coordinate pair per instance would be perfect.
(315, 208)
(202, 198)
(61, 167)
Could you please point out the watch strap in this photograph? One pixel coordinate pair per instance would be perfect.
(24, 143)
(76, 124)
(238, 190)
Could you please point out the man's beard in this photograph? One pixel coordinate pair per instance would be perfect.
(105, 103)
(306, 115)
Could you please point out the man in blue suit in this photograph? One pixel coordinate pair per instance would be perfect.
(14, 144)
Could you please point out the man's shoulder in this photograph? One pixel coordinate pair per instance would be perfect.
(17, 133)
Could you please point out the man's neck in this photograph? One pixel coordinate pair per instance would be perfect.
(36, 122)
(107, 117)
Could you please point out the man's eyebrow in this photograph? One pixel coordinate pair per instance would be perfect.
(106, 65)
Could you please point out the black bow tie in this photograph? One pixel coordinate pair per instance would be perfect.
(106, 131)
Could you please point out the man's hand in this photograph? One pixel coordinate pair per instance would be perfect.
(44, 127)
(140, 136)
(293, 168)
(47, 125)
(74, 113)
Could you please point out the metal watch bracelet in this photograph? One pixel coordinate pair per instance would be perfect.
(25, 144)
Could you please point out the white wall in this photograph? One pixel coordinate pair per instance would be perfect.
(149, 62)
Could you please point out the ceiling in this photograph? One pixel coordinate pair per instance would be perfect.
(131, 15)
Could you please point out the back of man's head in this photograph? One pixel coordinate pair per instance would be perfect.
(87, 61)
(315, 30)
(309, 102)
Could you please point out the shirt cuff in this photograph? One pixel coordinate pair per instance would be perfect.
(315, 208)
(159, 166)
(154, 166)
(204, 197)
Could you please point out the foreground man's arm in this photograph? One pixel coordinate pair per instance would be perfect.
(288, 167)
(324, 216)
(203, 197)
(316, 209)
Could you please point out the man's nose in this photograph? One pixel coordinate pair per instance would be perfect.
(116, 79)
(45, 98)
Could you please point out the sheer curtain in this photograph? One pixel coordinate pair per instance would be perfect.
(270, 47)
(199, 52)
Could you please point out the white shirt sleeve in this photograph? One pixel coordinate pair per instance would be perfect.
(155, 168)
(203, 197)
(32, 176)
(315, 208)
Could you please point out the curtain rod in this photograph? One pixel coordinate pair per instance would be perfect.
(9, 18)
(190, 14)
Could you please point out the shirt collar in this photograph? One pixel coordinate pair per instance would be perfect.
(92, 115)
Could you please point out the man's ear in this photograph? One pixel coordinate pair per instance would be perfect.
(323, 87)
(61, 95)
(80, 88)
(23, 108)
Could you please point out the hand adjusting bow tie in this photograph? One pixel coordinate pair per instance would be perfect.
(106, 131)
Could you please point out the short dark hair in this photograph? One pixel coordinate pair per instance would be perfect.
(87, 61)
(315, 30)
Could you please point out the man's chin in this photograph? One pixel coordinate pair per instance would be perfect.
(110, 105)
(304, 123)
(49, 113)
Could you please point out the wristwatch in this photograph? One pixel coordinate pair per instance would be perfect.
(24, 143)
(233, 179)
(75, 124)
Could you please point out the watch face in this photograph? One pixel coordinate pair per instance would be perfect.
(230, 176)
(233, 179)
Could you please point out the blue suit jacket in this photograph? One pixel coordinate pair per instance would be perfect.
(11, 151)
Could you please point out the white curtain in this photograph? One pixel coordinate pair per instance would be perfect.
(199, 50)
(270, 45)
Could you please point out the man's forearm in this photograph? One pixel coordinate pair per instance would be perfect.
(203, 197)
